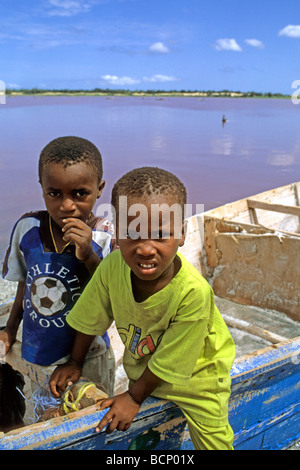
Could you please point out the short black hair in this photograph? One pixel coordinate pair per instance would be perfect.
(148, 181)
(70, 150)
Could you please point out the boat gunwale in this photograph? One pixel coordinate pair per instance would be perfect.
(243, 200)
(60, 429)
(272, 356)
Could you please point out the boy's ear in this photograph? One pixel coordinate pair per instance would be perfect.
(184, 227)
(100, 188)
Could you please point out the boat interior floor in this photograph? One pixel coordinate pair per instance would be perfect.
(255, 328)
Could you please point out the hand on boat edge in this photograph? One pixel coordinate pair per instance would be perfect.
(123, 410)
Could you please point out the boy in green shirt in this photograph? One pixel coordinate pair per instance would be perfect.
(177, 345)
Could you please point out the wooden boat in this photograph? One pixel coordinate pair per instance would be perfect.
(250, 253)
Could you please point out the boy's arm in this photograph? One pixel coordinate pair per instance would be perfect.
(70, 372)
(124, 407)
(143, 387)
(9, 333)
(92, 261)
(80, 234)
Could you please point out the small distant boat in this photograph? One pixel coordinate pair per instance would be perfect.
(249, 251)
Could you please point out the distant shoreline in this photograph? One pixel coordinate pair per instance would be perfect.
(158, 93)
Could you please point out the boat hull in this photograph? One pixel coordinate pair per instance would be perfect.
(249, 257)
(264, 412)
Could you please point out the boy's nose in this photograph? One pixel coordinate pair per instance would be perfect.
(146, 248)
(68, 205)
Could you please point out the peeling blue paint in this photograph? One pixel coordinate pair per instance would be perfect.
(264, 412)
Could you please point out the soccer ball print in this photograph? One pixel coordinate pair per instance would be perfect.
(48, 295)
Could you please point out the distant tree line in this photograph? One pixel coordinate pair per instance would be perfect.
(108, 91)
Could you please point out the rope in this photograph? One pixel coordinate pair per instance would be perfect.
(41, 400)
(69, 406)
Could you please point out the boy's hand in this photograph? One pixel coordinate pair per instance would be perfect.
(80, 234)
(8, 339)
(65, 374)
(122, 411)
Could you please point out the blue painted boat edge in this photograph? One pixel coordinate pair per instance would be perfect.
(278, 432)
(286, 351)
(264, 407)
(59, 432)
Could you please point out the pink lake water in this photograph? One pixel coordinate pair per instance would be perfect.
(257, 149)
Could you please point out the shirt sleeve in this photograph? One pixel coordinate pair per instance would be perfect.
(104, 238)
(92, 313)
(14, 266)
(184, 341)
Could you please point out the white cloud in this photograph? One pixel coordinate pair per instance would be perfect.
(160, 78)
(227, 45)
(292, 31)
(68, 7)
(159, 47)
(123, 81)
(13, 85)
(255, 43)
(115, 80)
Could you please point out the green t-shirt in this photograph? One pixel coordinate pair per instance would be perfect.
(178, 332)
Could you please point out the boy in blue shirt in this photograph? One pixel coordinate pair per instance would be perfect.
(53, 253)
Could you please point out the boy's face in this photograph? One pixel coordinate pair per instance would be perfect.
(152, 238)
(71, 191)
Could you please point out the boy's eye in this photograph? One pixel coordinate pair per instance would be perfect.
(155, 235)
(54, 193)
(81, 193)
(160, 234)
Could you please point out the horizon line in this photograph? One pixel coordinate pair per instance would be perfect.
(36, 90)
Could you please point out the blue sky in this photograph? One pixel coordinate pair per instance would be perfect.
(241, 45)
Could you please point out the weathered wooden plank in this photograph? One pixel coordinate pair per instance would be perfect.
(254, 330)
(194, 242)
(250, 271)
(231, 226)
(270, 320)
(39, 375)
(210, 244)
(292, 210)
(4, 313)
(224, 225)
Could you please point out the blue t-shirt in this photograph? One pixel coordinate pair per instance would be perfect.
(53, 283)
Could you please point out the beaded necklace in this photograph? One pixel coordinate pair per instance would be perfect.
(53, 239)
